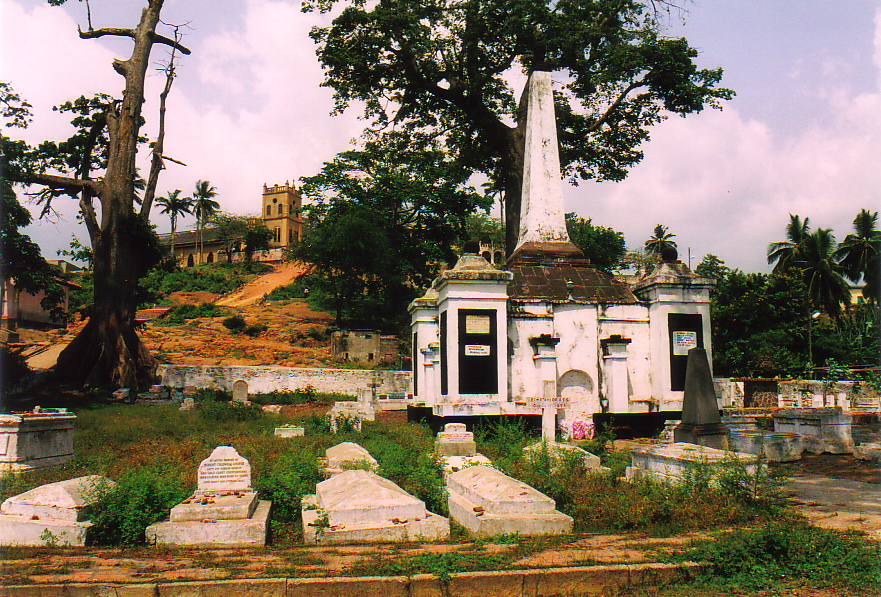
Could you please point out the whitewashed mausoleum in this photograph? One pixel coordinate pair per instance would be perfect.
(551, 332)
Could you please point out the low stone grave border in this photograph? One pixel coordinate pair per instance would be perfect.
(576, 580)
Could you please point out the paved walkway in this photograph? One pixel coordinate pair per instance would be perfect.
(837, 503)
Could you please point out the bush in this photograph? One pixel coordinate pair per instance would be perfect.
(180, 313)
(140, 498)
(788, 551)
(211, 410)
(14, 370)
(235, 324)
(295, 290)
(255, 330)
(213, 394)
(291, 477)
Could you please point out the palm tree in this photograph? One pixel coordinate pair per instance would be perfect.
(859, 253)
(204, 207)
(813, 255)
(822, 273)
(786, 253)
(175, 206)
(660, 241)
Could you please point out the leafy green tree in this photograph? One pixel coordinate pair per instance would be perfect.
(381, 221)
(230, 232)
(204, 206)
(860, 254)
(256, 237)
(712, 267)
(107, 351)
(20, 257)
(759, 325)
(660, 241)
(175, 206)
(604, 246)
(484, 229)
(443, 67)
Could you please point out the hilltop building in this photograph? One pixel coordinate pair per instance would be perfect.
(280, 212)
(550, 334)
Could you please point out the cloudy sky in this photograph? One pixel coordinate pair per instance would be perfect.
(802, 136)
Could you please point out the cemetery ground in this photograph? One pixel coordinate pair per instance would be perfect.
(748, 543)
(751, 545)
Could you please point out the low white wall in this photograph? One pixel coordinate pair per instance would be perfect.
(268, 379)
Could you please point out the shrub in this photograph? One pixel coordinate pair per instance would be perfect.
(291, 477)
(178, 314)
(211, 410)
(235, 324)
(140, 498)
(295, 290)
(14, 370)
(213, 394)
(255, 330)
(788, 551)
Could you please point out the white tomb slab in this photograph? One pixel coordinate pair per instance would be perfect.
(57, 512)
(487, 502)
(670, 462)
(457, 463)
(348, 455)
(37, 439)
(360, 506)
(224, 510)
(290, 431)
(455, 440)
(821, 429)
(774, 446)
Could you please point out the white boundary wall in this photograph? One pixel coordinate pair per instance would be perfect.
(392, 385)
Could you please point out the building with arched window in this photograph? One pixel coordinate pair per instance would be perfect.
(280, 213)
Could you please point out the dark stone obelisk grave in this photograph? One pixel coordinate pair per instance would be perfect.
(701, 420)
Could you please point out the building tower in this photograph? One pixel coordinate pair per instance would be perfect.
(281, 213)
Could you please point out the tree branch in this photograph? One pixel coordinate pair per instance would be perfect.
(120, 32)
(67, 184)
(605, 117)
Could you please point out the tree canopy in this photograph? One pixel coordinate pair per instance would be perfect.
(20, 257)
(604, 246)
(444, 66)
(381, 221)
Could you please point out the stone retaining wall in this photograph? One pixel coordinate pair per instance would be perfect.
(390, 385)
(547, 582)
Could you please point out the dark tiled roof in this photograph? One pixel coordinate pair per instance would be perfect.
(189, 237)
(557, 273)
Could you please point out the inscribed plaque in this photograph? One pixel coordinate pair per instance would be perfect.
(477, 324)
(477, 350)
(683, 342)
(225, 469)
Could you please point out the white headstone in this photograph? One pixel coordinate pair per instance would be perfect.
(240, 391)
(224, 470)
(456, 440)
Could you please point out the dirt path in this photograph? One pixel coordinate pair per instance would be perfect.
(281, 275)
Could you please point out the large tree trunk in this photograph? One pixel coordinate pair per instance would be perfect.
(107, 352)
